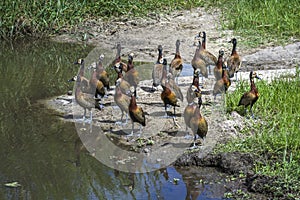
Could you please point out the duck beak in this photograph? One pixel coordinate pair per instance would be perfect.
(230, 41)
(258, 77)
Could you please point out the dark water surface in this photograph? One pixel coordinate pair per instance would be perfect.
(45, 155)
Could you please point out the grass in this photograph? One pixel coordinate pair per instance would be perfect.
(19, 18)
(263, 21)
(259, 22)
(275, 137)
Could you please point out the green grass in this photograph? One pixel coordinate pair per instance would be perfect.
(275, 137)
(261, 21)
(19, 18)
(258, 22)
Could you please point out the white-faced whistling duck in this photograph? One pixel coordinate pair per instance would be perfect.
(132, 75)
(191, 107)
(136, 113)
(85, 83)
(171, 82)
(168, 96)
(124, 85)
(234, 62)
(177, 63)
(85, 100)
(249, 98)
(118, 59)
(207, 56)
(222, 85)
(173, 86)
(198, 62)
(219, 65)
(96, 85)
(198, 125)
(157, 70)
(122, 100)
(195, 83)
(101, 73)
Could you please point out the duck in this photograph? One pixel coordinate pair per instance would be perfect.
(195, 83)
(169, 98)
(85, 100)
(102, 75)
(132, 75)
(118, 59)
(122, 100)
(173, 85)
(136, 113)
(168, 95)
(219, 65)
(93, 86)
(191, 107)
(177, 63)
(168, 77)
(207, 56)
(157, 70)
(249, 98)
(124, 85)
(198, 125)
(223, 84)
(96, 85)
(234, 62)
(198, 62)
(84, 82)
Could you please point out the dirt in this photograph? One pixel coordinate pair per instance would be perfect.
(142, 36)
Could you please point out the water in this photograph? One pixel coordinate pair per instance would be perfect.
(44, 153)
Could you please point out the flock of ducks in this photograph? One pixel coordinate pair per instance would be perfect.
(90, 92)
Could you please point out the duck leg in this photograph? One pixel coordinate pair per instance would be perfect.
(174, 112)
(187, 135)
(91, 116)
(120, 122)
(140, 131)
(131, 134)
(84, 113)
(194, 143)
(252, 115)
(166, 114)
(101, 104)
(209, 70)
(126, 120)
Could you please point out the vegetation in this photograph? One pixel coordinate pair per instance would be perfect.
(31, 17)
(275, 136)
(261, 22)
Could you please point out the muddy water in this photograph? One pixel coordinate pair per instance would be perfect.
(45, 155)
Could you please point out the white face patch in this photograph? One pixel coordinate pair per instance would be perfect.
(118, 81)
(101, 57)
(132, 89)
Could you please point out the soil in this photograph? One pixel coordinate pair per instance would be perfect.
(142, 36)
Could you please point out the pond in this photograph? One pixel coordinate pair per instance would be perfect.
(44, 153)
